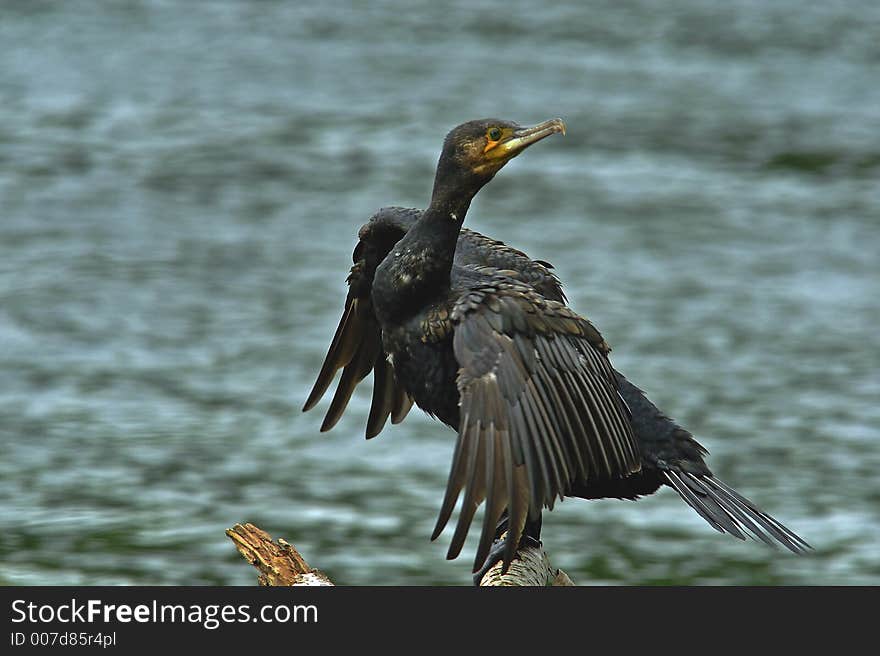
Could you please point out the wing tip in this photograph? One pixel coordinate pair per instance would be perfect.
(330, 420)
(312, 401)
(319, 388)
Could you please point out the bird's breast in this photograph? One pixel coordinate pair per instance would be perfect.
(426, 369)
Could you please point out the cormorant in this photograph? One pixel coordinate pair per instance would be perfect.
(478, 335)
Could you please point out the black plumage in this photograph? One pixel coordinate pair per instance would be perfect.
(478, 335)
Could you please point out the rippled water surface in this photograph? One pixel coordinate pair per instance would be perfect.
(180, 189)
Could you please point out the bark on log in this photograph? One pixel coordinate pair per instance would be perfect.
(280, 564)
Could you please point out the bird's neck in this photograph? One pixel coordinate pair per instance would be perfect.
(417, 270)
(439, 226)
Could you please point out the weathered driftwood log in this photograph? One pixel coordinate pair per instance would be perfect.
(280, 564)
(531, 567)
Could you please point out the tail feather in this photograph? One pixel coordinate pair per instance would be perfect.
(728, 511)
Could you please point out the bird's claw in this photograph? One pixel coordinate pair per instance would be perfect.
(496, 554)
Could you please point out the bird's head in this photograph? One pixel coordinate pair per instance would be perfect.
(475, 151)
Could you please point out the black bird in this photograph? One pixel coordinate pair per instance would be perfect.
(478, 335)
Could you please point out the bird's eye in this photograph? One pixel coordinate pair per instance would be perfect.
(494, 134)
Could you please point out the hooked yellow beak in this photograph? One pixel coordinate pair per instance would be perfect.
(522, 138)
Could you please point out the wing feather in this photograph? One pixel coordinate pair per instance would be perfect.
(346, 340)
(356, 347)
(540, 410)
(383, 397)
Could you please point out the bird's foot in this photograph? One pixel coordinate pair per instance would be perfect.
(496, 554)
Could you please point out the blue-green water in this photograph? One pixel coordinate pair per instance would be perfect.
(180, 189)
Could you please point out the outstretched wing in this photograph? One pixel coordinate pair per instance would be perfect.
(357, 344)
(540, 410)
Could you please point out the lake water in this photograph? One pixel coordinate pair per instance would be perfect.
(180, 189)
